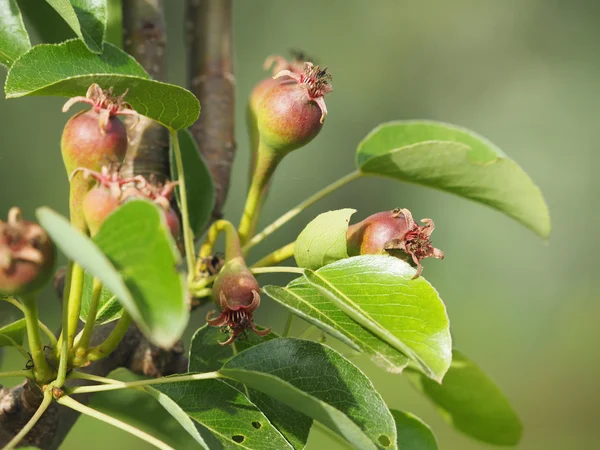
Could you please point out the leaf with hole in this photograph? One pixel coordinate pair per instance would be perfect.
(207, 355)
(413, 433)
(70, 68)
(308, 303)
(378, 292)
(454, 160)
(134, 255)
(14, 40)
(221, 416)
(87, 18)
(13, 333)
(472, 403)
(109, 307)
(320, 383)
(198, 182)
(323, 240)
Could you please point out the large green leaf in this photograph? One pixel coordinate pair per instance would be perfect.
(13, 333)
(413, 433)
(321, 384)
(379, 293)
(307, 302)
(70, 68)
(472, 403)
(323, 240)
(109, 307)
(137, 240)
(141, 270)
(207, 355)
(222, 416)
(455, 160)
(87, 18)
(198, 182)
(14, 40)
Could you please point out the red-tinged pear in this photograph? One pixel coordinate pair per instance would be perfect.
(27, 255)
(291, 113)
(237, 294)
(395, 233)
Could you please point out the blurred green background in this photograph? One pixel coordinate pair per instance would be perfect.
(524, 73)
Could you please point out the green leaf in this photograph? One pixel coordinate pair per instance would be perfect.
(379, 293)
(470, 401)
(455, 160)
(413, 433)
(223, 417)
(323, 240)
(142, 262)
(87, 18)
(13, 333)
(109, 308)
(14, 40)
(137, 240)
(307, 302)
(198, 182)
(207, 355)
(320, 383)
(70, 68)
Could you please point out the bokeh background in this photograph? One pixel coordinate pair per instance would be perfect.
(524, 73)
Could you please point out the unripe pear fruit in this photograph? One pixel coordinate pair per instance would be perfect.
(96, 137)
(396, 233)
(98, 204)
(236, 293)
(27, 255)
(291, 113)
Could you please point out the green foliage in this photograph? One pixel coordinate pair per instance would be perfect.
(378, 292)
(198, 182)
(109, 308)
(455, 160)
(207, 355)
(13, 333)
(14, 40)
(320, 383)
(137, 240)
(472, 403)
(87, 18)
(304, 300)
(413, 433)
(222, 415)
(135, 257)
(323, 240)
(70, 68)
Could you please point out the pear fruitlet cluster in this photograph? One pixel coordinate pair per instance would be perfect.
(395, 233)
(26, 255)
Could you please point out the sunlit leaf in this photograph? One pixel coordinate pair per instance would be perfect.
(323, 240)
(13, 333)
(70, 68)
(455, 160)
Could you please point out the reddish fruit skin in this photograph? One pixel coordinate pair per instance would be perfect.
(173, 223)
(394, 232)
(85, 145)
(98, 204)
(370, 236)
(287, 118)
(18, 274)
